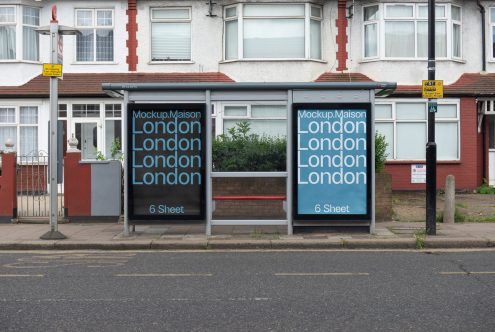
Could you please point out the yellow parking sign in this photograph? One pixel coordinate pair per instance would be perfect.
(52, 69)
(433, 89)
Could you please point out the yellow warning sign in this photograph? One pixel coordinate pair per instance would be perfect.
(52, 69)
(433, 89)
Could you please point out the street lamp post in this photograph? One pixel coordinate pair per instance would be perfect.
(54, 30)
(431, 146)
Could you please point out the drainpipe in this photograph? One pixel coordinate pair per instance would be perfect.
(131, 28)
(341, 37)
(483, 42)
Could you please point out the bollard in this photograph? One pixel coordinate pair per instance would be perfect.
(449, 208)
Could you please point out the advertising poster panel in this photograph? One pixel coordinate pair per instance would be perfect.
(332, 162)
(166, 162)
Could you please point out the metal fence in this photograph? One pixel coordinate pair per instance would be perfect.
(33, 197)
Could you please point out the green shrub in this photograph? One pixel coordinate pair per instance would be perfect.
(380, 152)
(485, 189)
(240, 151)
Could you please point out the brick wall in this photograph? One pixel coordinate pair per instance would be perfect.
(468, 171)
(246, 187)
(341, 38)
(383, 197)
(132, 42)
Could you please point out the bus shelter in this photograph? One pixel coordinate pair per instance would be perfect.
(168, 166)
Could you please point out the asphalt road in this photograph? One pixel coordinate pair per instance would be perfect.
(247, 291)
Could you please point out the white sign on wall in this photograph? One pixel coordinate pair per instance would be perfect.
(418, 173)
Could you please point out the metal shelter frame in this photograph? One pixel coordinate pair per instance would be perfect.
(206, 93)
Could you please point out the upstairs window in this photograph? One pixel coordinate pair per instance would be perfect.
(400, 31)
(170, 34)
(492, 24)
(7, 33)
(272, 31)
(95, 43)
(14, 30)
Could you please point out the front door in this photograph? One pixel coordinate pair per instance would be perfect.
(87, 134)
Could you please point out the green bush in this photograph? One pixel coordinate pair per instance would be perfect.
(485, 189)
(380, 152)
(240, 151)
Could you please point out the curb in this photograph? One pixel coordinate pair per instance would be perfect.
(405, 243)
(249, 244)
(446, 243)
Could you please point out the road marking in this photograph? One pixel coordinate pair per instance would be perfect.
(21, 275)
(69, 259)
(164, 275)
(331, 274)
(467, 273)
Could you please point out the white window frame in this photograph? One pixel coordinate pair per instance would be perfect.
(18, 23)
(240, 30)
(220, 116)
(30, 26)
(415, 19)
(18, 125)
(375, 22)
(459, 23)
(94, 27)
(394, 121)
(492, 40)
(100, 120)
(172, 20)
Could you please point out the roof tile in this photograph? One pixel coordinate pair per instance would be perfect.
(89, 85)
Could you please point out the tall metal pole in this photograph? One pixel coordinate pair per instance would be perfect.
(53, 234)
(431, 146)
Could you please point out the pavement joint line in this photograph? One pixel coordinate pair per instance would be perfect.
(301, 274)
(468, 273)
(164, 275)
(21, 275)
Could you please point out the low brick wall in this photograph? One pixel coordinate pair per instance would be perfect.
(383, 197)
(247, 187)
(277, 186)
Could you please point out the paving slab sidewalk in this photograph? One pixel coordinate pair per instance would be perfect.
(109, 236)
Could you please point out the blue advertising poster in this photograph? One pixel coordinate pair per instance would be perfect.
(332, 161)
(166, 163)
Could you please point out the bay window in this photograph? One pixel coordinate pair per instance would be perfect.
(95, 43)
(400, 31)
(171, 34)
(20, 124)
(264, 119)
(272, 31)
(14, 29)
(404, 125)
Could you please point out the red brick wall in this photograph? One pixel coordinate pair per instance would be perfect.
(132, 28)
(8, 196)
(341, 37)
(468, 171)
(77, 186)
(249, 187)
